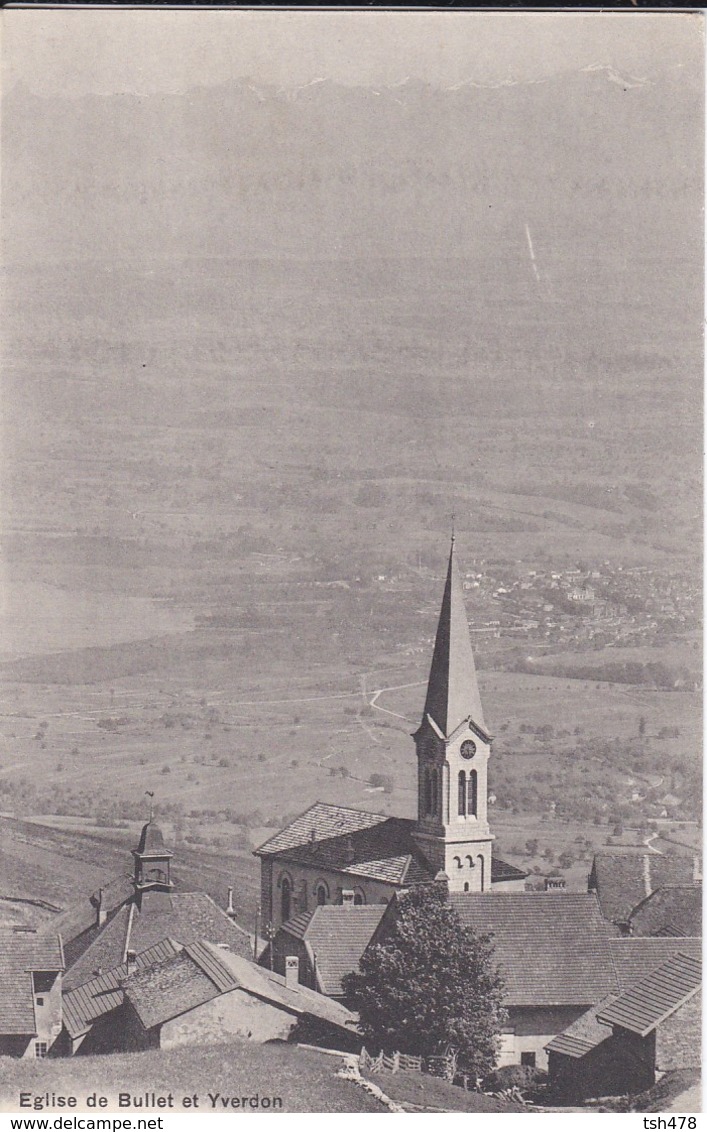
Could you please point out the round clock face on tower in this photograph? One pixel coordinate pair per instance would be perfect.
(468, 749)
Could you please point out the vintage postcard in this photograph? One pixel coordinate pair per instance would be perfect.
(351, 563)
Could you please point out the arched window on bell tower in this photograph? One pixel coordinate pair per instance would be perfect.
(433, 791)
(428, 791)
(472, 794)
(285, 899)
(462, 794)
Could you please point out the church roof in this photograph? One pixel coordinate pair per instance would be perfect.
(623, 880)
(184, 917)
(338, 935)
(553, 949)
(453, 690)
(352, 841)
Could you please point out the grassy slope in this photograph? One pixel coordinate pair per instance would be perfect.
(417, 1092)
(305, 1080)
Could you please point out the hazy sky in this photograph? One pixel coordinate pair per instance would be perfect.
(143, 51)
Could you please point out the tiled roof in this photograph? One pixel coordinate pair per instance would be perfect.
(501, 870)
(672, 910)
(78, 925)
(170, 988)
(623, 880)
(81, 1007)
(185, 917)
(585, 1033)
(354, 842)
(338, 936)
(633, 960)
(552, 948)
(648, 1003)
(21, 953)
(635, 957)
(272, 988)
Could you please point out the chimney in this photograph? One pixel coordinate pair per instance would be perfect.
(347, 896)
(291, 971)
(349, 851)
(101, 910)
(230, 910)
(441, 882)
(554, 883)
(647, 874)
(131, 960)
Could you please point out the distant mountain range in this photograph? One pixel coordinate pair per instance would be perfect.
(244, 169)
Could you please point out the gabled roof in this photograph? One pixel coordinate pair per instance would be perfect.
(185, 917)
(648, 1003)
(21, 953)
(452, 689)
(175, 985)
(552, 948)
(338, 936)
(672, 910)
(634, 960)
(81, 1007)
(352, 841)
(273, 988)
(201, 972)
(635, 957)
(584, 1035)
(623, 880)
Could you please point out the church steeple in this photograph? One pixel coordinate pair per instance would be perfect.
(452, 689)
(453, 748)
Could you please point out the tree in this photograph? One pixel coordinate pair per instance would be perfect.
(430, 984)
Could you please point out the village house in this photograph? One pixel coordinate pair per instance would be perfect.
(171, 996)
(652, 1025)
(31, 967)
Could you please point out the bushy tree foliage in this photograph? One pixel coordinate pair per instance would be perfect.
(430, 984)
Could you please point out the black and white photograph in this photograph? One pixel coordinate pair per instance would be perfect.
(351, 570)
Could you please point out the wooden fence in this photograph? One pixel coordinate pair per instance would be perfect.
(443, 1065)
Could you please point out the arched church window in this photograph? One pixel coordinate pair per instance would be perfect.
(472, 794)
(470, 862)
(481, 878)
(458, 862)
(285, 899)
(433, 791)
(321, 894)
(428, 791)
(466, 885)
(359, 898)
(462, 794)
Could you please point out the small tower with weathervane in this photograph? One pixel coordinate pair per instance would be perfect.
(453, 748)
(151, 861)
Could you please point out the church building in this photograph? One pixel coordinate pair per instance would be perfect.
(337, 855)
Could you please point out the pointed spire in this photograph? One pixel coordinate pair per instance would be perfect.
(453, 690)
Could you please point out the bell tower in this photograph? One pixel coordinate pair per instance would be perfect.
(453, 748)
